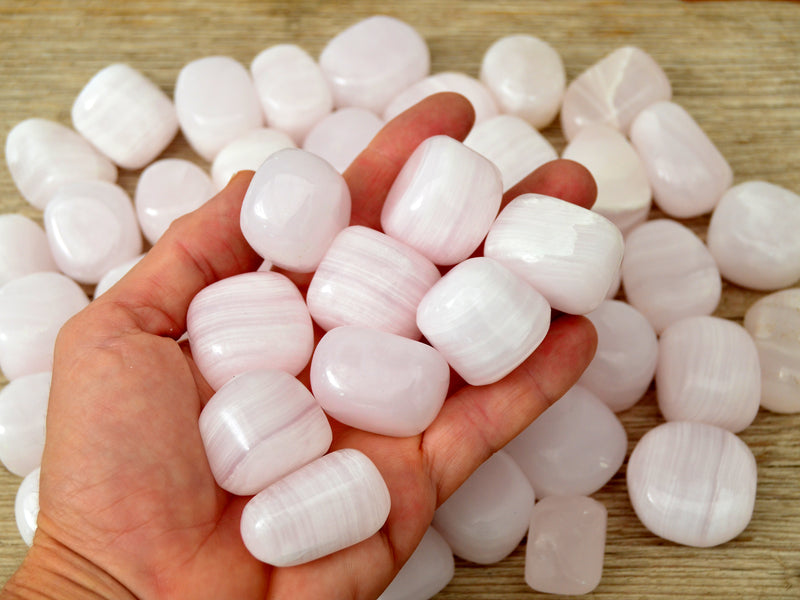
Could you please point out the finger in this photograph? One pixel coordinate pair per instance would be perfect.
(561, 178)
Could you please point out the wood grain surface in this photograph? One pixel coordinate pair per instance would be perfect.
(735, 66)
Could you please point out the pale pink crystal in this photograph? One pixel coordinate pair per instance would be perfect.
(247, 152)
(26, 506)
(429, 569)
(342, 135)
(23, 409)
(24, 248)
(113, 275)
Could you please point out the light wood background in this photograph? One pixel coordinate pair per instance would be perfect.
(734, 65)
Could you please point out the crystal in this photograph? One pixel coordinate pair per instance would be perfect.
(26, 506)
(774, 323)
(753, 235)
(91, 227)
(369, 279)
(259, 427)
(443, 201)
(708, 371)
(32, 310)
(623, 190)
(114, 274)
(514, 147)
(568, 253)
(294, 93)
(668, 273)
(247, 152)
(23, 409)
(216, 102)
(295, 205)
(247, 322)
(378, 381)
(566, 545)
(613, 91)
(331, 503)
(24, 248)
(488, 515)
(484, 319)
(574, 448)
(692, 483)
(429, 569)
(168, 189)
(343, 135)
(42, 154)
(687, 172)
(627, 353)
(125, 116)
(526, 75)
(372, 61)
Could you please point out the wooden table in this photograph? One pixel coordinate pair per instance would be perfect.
(735, 66)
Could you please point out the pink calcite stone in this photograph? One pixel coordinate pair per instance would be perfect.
(484, 319)
(686, 171)
(668, 273)
(613, 91)
(42, 154)
(429, 569)
(487, 517)
(372, 61)
(24, 248)
(248, 322)
(331, 503)
(566, 545)
(342, 135)
(125, 116)
(216, 102)
(708, 371)
(247, 152)
(259, 427)
(573, 448)
(23, 410)
(115, 274)
(26, 506)
(443, 201)
(378, 381)
(32, 310)
(369, 279)
(692, 483)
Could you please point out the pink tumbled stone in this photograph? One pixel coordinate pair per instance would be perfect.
(370, 62)
(295, 205)
(247, 152)
(24, 248)
(486, 518)
(32, 310)
(248, 322)
(484, 319)
(686, 171)
(379, 381)
(259, 427)
(708, 371)
(573, 448)
(26, 506)
(113, 275)
(429, 569)
(216, 102)
(23, 410)
(342, 135)
(369, 279)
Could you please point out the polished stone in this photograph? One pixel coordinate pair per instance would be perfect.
(113, 275)
(427, 572)
(24, 248)
(26, 506)
(247, 152)
(342, 135)
(23, 410)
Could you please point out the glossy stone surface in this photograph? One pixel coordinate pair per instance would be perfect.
(32, 310)
(774, 323)
(91, 227)
(378, 381)
(668, 273)
(216, 102)
(573, 448)
(372, 61)
(526, 76)
(248, 322)
(113, 275)
(568, 253)
(708, 371)
(687, 172)
(514, 146)
(613, 91)
(370, 279)
(343, 135)
(692, 483)
(23, 409)
(429, 569)
(42, 154)
(294, 93)
(259, 427)
(487, 516)
(125, 116)
(26, 506)
(24, 248)
(566, 545)
(753, 235)
(627, 353)
(295, 205)
(331, 503)
(247, 152)
(484, 319)
(443, 201)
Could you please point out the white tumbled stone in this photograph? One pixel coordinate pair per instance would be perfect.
(113, 275)
(427, 572)
(342, 135)
(26, 506)
(247, 152)
(24, 248)
(23, 410)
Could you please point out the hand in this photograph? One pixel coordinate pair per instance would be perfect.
(128, 504)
